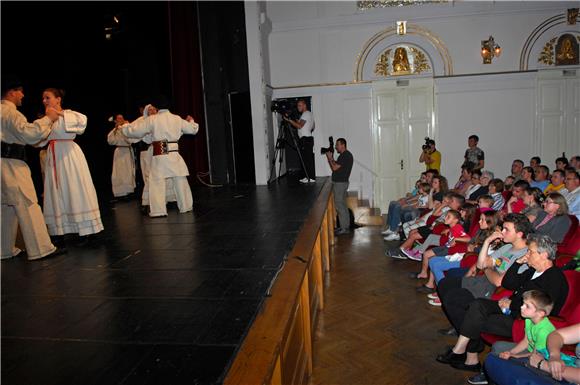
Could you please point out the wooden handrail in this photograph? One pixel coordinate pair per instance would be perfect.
(278, 347)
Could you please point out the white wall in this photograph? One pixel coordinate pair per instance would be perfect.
(312, 44)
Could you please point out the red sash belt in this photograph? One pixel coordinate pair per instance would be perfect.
(51, 146)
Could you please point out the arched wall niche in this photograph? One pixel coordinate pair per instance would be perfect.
(424, 40)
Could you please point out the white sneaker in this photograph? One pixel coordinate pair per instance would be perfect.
(304, 180)
(392, 237)
(312, 180)
(387, 232)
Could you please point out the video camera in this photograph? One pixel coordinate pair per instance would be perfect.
(428, 143)
(285, 108)
(330, 148)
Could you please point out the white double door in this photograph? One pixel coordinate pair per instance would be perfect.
(403, 115)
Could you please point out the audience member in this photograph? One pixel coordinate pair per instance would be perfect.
(534, 271)
(573, 192)
(575, 162)
(517, 167)
(553, 220)
(556, 182)
(516, 203)
(541, 178)
(561, 163)
(495, 190)
(533, 199)
(535, 162)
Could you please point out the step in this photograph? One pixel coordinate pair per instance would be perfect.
(365, 216)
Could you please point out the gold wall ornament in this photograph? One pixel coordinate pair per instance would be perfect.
(572, 15)
(421, 63)
(364, 5)
(401, 62)
(547, 54)
(401, 27)
(382, 66)
(567, 50)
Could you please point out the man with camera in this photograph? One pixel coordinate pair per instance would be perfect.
(305, 126)
(341, 169)
(430, 156)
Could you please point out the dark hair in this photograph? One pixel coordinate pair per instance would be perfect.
(537, 159)
(498, 183)
(521, 223)
(537, 194)
(530, 170)
(458, 197)
(521, 183)
(469, 209)
(562, 159)
(468, 166)
(57, 92)
(519, 161)
(341, 140)
(475, 137)
(10, 82)
(558, 171)
(433, 171)
(476, 172)
(541, 300)
(574, 173)
(162, 102)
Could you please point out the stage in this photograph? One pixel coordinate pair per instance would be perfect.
(152, 301)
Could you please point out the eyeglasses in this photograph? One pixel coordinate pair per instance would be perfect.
(548, 201)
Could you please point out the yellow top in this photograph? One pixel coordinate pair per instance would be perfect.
(435, 161)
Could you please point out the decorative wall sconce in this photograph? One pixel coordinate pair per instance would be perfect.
(489, 50)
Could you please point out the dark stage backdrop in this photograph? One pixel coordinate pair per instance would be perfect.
(153, 49)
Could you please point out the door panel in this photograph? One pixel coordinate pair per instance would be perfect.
(402, 117)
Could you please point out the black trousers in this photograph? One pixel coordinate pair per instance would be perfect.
(306, 144)
(471, 316)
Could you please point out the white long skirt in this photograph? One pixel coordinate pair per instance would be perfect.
(70, 199)
(123, 175)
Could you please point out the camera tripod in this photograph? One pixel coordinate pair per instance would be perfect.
(284, 132)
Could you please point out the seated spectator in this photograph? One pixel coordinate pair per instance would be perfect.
(541, 178)
(572, 192)
(517, 167)
(535, 162)
(534, 271)
(464, 181)
(560, 367)
(438, 188)
(413, 210)
(556, 182)
(508, 183)
(534, 200)
(561, 163)
(451, 201)
(474, 186)
(455, 233)
(484, 179)
(516, 203)
(528, 174)
(489, 222)
(495, 190)
(557, 365)
(553, 220)
(395, 207)
(575, 162)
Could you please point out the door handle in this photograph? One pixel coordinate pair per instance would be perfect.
(402, 163)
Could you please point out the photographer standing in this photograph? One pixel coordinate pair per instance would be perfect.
(305, 127)
(340, 173)
(430, 156)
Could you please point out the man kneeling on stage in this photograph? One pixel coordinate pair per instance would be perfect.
(340, 173)
(165, 129)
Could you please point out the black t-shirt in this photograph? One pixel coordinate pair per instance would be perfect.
(343, 173)
(438, 196)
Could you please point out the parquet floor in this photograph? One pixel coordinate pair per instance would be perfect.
(375, 328)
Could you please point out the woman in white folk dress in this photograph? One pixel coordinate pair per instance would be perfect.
(123, 175)
(70, 199)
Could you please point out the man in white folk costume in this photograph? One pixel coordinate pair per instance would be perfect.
(19, 202)
(123, 175)
(165, 129)
(145, 158)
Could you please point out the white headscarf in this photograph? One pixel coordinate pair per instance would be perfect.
(146, 110)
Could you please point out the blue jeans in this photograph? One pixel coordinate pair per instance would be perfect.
(516, 372)
(394, 215)
(439, 265)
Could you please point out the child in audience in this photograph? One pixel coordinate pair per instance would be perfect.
(535, 309)
(455, 233)
(495, 190)
(508, 182)
(489, 222)
(516, 203)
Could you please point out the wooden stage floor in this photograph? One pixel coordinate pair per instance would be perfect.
(152, 301)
